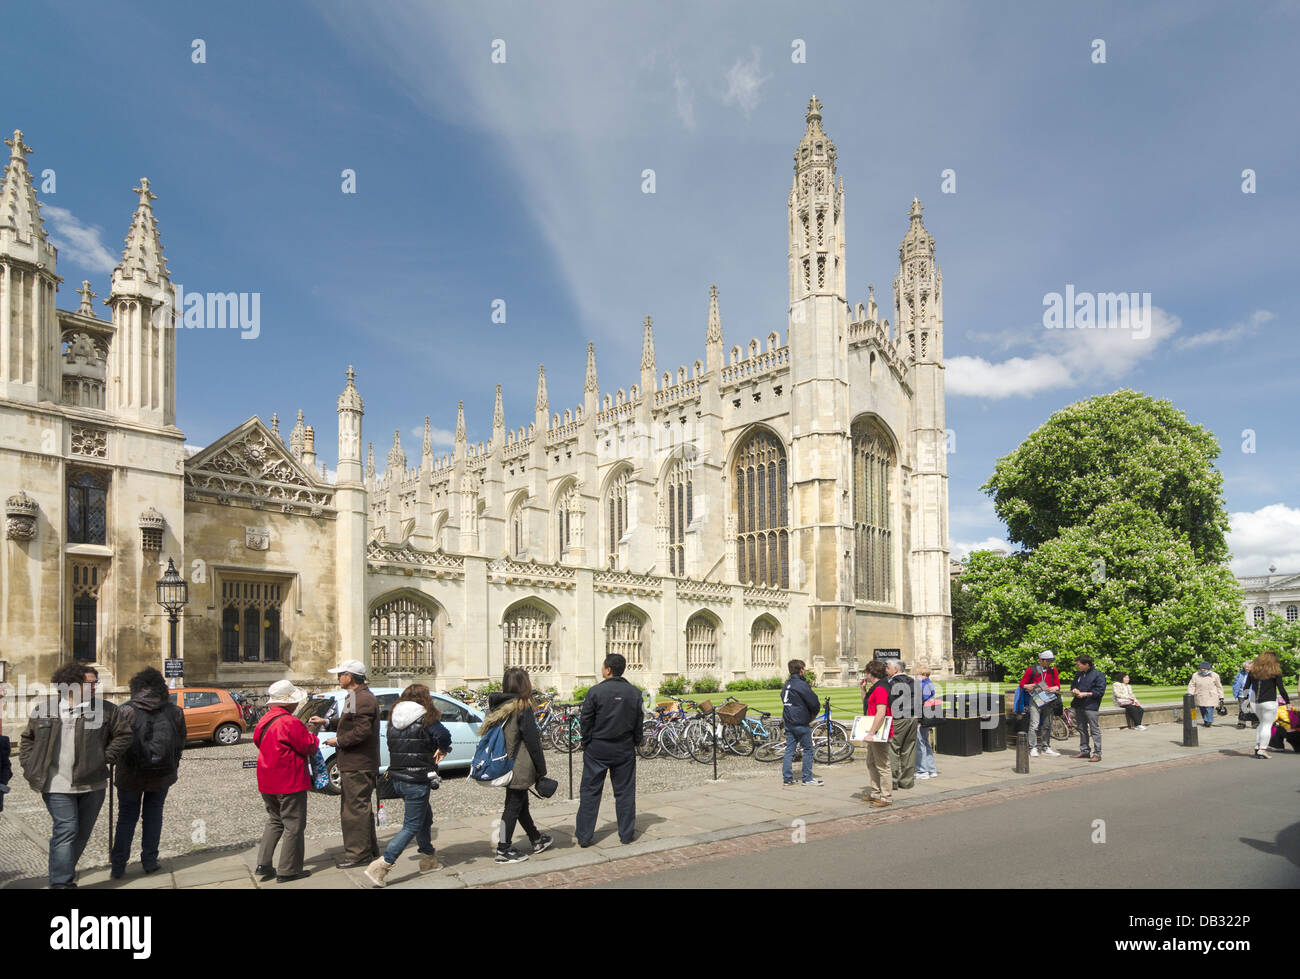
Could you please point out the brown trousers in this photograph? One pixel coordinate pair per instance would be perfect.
(286, 816)
(878, 769)
(359, 841)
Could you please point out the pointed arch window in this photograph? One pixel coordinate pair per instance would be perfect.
(566, 504)
(679, 504)
(624, 630)
(87, 507)
(517, 539)
(404, 635)
(250, 619)
(873, 530)
(616, 516)
(762, 530)
(701, 643)
(762, 644)
(527, 629)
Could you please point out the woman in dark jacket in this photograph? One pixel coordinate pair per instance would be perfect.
(417, 741)
(147, 769)
(514, 708)
(1265, 688)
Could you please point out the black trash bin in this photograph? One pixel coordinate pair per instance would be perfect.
(993, 729)
(958, 736)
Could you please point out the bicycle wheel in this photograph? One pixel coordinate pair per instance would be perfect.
(649, 746)
(672, 737)
(833, 745)
(566, 737)
(739, 740)
(772, 749)
(703, 739)
(1060, 730)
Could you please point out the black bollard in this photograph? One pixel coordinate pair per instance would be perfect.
(566, 728)
(1190, 737)
(1022, 753)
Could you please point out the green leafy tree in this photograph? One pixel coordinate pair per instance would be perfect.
(1274, 633)
(1119, 446)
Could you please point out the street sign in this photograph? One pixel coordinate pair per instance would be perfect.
(173, 668)
(887, 654)
(251, 764)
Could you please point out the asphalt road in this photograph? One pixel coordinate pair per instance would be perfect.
(1231, 822)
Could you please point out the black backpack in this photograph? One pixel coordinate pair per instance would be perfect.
(154, 744)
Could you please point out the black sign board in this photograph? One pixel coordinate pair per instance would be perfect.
(251, 764)
(173, 667)
(886, 654)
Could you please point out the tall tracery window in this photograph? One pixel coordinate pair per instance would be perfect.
(250, 620)
(404, 636)
(527, 629)
(762, 530)
(873, 527)
(86, 579)
(762, 643)
(623, 635)
(616, 515)
(518, 540)
(565, 505)
(87, 507)
(679, 502)
(701, 643)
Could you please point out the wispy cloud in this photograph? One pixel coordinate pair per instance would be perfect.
(1062, 359)
(743, 83)
(78, 243)
(961, 550)
(685, 101)
(1227, 334)
(442, 437)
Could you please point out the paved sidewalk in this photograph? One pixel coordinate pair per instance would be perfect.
(712, 812)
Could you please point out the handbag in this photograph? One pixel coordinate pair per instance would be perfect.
(545, 787)
(320, 776)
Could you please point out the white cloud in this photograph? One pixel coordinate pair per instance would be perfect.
(78, 243)
(961, 550)
(1269, 535)
(442, 437)
(1063, 358)
(685, 101)
(1228, 333)
(743, 83)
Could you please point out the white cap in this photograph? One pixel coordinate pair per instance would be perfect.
(284, 692)
(353, 666)
(1047, 654)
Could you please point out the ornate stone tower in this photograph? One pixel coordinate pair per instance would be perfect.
(918, 312)
(819, 448)
(351, 508)
(30, 365)
(142, 365)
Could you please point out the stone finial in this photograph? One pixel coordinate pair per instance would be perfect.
(590, 386)
(20, 509)
(814, 112)
(297, 437)
(426, 446)
(86, 308)
(498, 415)
(460, 422)
(543, 402)
(370, 461)
(275, 426)
(396, 455)
(648, 347)
(143, 251)
(350, 399)
(19, 208)
(714, 336)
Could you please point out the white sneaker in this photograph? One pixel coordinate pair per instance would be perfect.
(1033, 752)
(1049, 751)
(934, 774)
(922, 774)
(1141, 727)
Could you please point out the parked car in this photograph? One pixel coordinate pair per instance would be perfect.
(461, 720)
(211, 714)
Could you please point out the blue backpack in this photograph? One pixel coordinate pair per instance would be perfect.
(1021, 702)
(491, 765)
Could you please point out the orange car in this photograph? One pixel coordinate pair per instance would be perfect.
(211, 714)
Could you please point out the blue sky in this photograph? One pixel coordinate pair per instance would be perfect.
(521, 181)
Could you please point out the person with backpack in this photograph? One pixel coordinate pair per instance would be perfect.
(799, 707)
(417, 741)
(1041, 689)
(1264, 689)
(71, 738)
(610, 722)
(511, 731)
(284, 745)
(147, 769)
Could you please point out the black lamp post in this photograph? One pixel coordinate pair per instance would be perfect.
(173, 595)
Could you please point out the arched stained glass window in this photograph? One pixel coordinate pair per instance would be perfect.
(616, 515)
(873, 527)
(403, 635)
(762, 531)
(527, 629)
(624, 635)
(679, 502)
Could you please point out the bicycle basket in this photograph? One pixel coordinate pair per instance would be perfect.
(732, 713)
(706, 707)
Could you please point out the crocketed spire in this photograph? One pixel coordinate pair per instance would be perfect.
(460, 422)
(350, 399)
(396, 456)
(19, 210)
(715, 318)
(426, 447)
(590, 386)
(543, 402)
(143, 253)
(370, 461)
(298, 438)
(648, 347)
(498, 416)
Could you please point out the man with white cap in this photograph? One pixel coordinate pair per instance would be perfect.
(1041, 682)
(283, 746)
(357, 742)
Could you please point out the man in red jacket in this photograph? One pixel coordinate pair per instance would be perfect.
(283, 746)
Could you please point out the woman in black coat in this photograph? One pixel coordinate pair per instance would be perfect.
(514, 707)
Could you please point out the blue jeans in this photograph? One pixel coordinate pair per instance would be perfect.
(802, 735)
(1207, 715)
(924, 752)
(74, 815)
(417, 821)
(131, 804)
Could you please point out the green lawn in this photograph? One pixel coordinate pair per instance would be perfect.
(847, 701)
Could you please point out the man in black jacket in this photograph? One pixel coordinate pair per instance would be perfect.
(902, 743)
(799, 707)
(610, 722)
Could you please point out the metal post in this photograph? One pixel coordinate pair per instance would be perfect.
(1022, 753)
(110, 814)
(568, 733)
(714, 739)
(830, 748)
(1190, 736)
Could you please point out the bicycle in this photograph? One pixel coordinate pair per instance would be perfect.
(1063, 727)
(736, 732)
(830, 743)
(566, 731)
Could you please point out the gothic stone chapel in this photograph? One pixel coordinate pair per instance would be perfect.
(783, 499)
